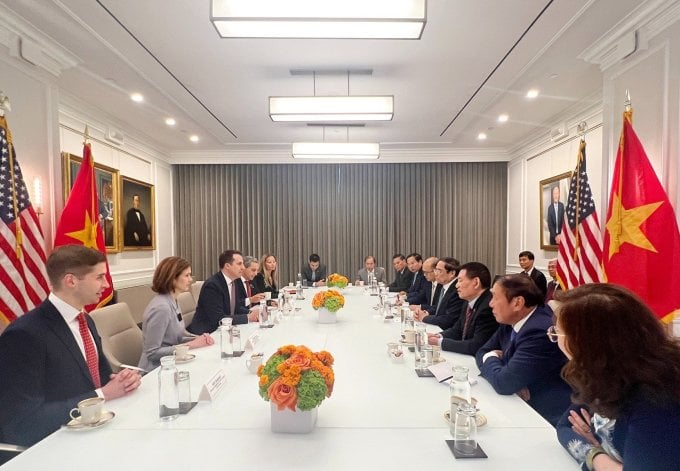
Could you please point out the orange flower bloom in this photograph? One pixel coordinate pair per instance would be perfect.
(286, 350)
(325, 357)
(282, 395)
(290, 374)
(300, 359)
(264, 379)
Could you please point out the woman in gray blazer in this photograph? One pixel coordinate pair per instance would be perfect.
(162, 325)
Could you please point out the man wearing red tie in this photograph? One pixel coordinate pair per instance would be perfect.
(51, 358)
(250, 268)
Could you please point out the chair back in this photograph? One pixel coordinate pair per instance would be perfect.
(187, 305)
(196, 290)
(122, 340)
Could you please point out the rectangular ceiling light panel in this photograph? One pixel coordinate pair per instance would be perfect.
(341, 19)
(328, 109)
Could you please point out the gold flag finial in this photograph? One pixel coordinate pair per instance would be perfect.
(86, 135)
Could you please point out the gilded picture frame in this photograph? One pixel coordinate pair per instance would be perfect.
(553, 194)
(107, 181)
(138, 215)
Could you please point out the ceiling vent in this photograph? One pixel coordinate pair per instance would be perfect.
(115, 135)
(558, 133)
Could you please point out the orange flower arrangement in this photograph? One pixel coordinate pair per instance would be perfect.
(337, 281)
(295, 376)
(330, 299)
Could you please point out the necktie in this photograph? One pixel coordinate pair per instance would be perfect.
(90, 351)
(434, 290)
(439, 303)
(232, 299)
(248, 289)
(413, 283)
(551, 291)
(468, 316)
(313, 275)
(513, 334)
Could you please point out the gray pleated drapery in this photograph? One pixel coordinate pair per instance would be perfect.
(342, 212)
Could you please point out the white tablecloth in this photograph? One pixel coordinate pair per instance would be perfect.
(380, 413)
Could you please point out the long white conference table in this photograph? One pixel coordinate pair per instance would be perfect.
(380, 415)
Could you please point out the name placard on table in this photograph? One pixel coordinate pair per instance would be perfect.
(213, 386)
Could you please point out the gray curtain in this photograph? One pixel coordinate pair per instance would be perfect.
(342, 212)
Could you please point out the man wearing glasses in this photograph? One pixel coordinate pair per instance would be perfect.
(519, 358)
(448, 305)
(425, 298)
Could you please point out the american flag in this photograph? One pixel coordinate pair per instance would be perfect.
(22, 247)
(579, 259)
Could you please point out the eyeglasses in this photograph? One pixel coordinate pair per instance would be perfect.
(553, 335)
(426, 272)
(438, 270)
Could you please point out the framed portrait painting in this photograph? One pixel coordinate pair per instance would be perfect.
(553, 194)
(137, 209)
(107, 180)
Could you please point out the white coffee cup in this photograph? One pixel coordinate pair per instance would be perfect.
(181, 351)
(267, 295)
(254, 362)
(410, 336)
(436, 353)
(89, 411)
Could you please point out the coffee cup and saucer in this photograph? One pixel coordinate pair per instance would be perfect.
(89, 415)
(182, 354)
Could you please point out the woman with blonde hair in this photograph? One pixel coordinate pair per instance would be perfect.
(266, 279)
(625, 371)
(163, 326)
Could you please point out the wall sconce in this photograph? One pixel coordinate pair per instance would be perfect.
(37, 196)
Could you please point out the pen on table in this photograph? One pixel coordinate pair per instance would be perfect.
(136, 368)
(472, 381)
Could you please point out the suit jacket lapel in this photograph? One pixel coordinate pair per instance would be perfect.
(61, 331)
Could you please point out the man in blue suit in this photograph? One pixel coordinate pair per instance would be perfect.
(426, 296)
(223, 295)
(51, 358)
(519, 358)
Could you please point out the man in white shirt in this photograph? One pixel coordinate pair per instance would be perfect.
(51, 358)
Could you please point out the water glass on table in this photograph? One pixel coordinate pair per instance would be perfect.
(465, 429)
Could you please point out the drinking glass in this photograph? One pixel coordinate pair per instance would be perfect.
(465, 430)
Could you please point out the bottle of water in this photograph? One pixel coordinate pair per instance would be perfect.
(168, 390)
(298, 287)
(459, 393)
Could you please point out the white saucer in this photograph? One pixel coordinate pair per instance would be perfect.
(189, 357)
(403, 341)
(106, 417)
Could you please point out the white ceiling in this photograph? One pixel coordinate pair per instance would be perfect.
(476, 59)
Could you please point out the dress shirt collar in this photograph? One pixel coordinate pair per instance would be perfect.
(529, 271)
(227, 279)
(520, 323)
(473, 302)
(68, 312)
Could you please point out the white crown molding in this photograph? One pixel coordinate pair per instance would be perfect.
(72, 109)
(588, 110)
(643, 24)
(19, 36)
(282, 154)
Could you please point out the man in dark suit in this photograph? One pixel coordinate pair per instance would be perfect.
(314, 273)
(553, 284)
(555, 216)
(414, 263)
(404, 277)
(519, 357)
(476, 323)
(51, 358)
(448, 305)
(223, 295)
(526, 261)
(254, 291)
(136, 230)
(425, 297)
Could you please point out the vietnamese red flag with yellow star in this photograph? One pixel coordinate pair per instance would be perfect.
(642, 242)
(79, 221)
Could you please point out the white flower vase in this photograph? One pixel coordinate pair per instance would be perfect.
(287, 421)
(327, 317)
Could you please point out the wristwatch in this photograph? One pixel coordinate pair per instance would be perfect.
(592, 453)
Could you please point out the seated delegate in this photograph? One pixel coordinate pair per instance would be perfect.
(625, 370)
(162, 325)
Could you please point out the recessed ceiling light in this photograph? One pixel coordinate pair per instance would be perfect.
(170, 121)
(533, 93)
(481, 136)
(193, 138)
(503, 118)
(137, 97)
